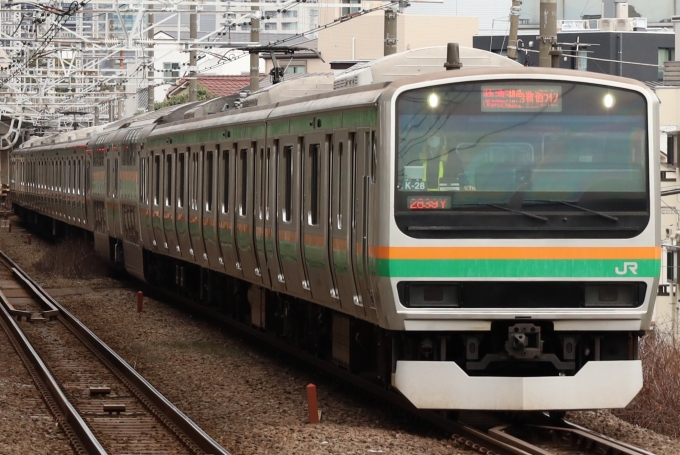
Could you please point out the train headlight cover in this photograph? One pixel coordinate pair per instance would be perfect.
(608, 100)
(433, 100)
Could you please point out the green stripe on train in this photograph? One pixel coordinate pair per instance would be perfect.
(526, 268)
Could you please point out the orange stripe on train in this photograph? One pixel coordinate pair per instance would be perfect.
(385, 252)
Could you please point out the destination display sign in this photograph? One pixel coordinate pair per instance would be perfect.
(428, 202)
(517, 97)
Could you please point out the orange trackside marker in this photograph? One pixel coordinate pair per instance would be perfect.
(140, 302)
(28, 238)
(312, 404)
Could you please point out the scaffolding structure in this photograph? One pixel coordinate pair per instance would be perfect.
(70, 65)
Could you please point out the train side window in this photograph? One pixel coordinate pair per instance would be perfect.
(209, 164)
(181, 177)
(157, 179)
(168, 180)
(287, 182)
(314, 170)
(243, 157)
(225, 181)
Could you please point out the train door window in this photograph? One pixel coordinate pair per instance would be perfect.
(313, 169)
(115, 177)
(288, 183)
(181, 177)
(225, 181)
(156, 179)
(261, 171)
(267, 183)
(243, 159)
(142, 183)
(168, 180)
(338, 197)
(209, 168)
(194, 182)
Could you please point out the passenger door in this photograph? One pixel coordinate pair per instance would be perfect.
(363, 171)
(226, 231)
(289, 216)
(315, 217)
(197, 249)
(342, 210)
(210, 238)
(157, 201)
(270, 215)
(169, 200)
(182, 204)
(260, 191)
(245, 161)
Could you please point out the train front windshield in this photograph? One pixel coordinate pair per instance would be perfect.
(521, 159)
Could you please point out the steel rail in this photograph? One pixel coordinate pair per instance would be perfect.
(467, 436)
(182, 426)
(77, 432)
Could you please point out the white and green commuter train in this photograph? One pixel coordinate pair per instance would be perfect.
(481, 238)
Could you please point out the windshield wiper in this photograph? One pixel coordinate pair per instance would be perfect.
(530, 215)
(569, 204)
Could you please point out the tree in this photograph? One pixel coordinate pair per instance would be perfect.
(202, 95)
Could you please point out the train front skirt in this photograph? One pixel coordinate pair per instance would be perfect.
(444, 385)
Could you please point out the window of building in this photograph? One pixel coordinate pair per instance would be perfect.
(664, 55)
(170, 71)
(353, 9)
(292, 13)
(289, 26)
(270, 26)
(581, 61)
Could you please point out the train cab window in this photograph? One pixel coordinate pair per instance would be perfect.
(168, 180)
(243, 158)
(314, 169)
(181, 177)
(225, 181)
(209, 168)
(157, 179)
(288, 183)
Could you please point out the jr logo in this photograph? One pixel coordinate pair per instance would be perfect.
(627, 266)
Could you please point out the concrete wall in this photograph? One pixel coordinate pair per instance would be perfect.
(362, 38)
(639, 47)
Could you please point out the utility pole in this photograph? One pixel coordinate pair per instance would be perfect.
(514, 25)
(548, 32)
(255, 57)
(193, 86)
(151, 75)
(390, 46)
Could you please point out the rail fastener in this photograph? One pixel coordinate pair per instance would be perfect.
(114, 408)
(100, 391)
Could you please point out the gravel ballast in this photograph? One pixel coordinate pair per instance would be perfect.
(250, 398)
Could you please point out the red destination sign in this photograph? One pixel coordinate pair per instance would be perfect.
(501, 98)
(428, 202)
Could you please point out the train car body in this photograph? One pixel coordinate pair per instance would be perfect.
(485, 238)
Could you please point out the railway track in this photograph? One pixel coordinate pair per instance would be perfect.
(484, 433)
(100, 402)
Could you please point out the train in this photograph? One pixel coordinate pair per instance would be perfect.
(468, 232)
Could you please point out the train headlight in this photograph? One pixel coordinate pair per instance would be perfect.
(430, 294)
(433, 100)
(613, 295)
(608, 101)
